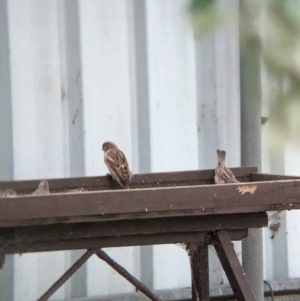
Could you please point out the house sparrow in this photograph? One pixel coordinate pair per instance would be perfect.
(7, 193)
(223, 174)
(117, 164)
(43, 188)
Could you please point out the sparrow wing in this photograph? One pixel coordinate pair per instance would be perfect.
(117, 162)
(228, 175)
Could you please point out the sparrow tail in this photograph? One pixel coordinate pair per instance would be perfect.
(221, 156)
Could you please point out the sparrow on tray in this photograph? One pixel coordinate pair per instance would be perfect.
(223, 174)
(42, 189)
(117, 164)
(7, 193)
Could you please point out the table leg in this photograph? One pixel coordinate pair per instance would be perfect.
(200, 273)
(232, 266)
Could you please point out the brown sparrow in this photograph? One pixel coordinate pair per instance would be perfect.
(116, 163)
(7, 193)
(223, 174)
(43, 188)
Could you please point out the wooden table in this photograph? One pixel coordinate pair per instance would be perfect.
(159, 208)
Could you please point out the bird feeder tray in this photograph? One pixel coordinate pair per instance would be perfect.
(173, 207)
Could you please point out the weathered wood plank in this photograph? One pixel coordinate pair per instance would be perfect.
(150, 203)
(259, 177)
(10, 245)
(181, 178)
(141, 227)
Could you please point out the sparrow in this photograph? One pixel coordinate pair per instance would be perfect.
(117, 164)
(223, 174)
(7, 193)
(43, 188)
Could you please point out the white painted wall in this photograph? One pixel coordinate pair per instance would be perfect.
(280, 248)
(74, 73)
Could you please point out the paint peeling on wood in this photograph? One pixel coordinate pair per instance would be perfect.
(247, 188)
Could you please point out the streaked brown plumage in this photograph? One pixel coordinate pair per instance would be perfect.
(43, 188)
(223, 174)
(117, 164)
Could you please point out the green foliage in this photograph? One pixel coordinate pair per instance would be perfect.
(205, 15)
(271, 28)
(198, 5)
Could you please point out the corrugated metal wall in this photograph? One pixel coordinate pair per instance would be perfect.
(74, 73)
